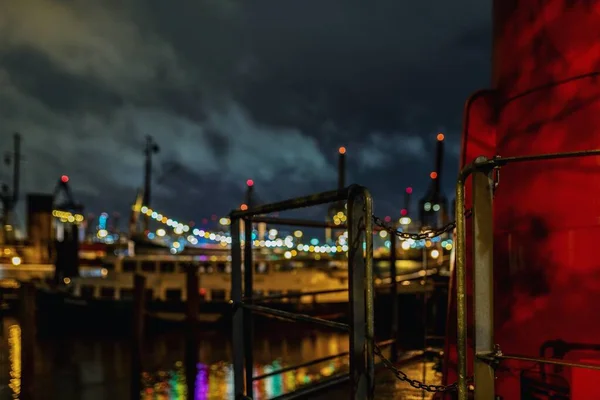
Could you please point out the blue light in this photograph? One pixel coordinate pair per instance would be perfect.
(314, 241)
(388, 244)
(151, 235)
(102, 221)
(254, 236)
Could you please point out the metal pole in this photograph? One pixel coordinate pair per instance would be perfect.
(424, 315)
(292, 204)
(248, 320)
(151, 148)
(298, 222)
(356, 274)
(361, 293)
(238, 316)
(461, 289)
(147, 178)
(370, 300)
(394, 294)
(483, 293)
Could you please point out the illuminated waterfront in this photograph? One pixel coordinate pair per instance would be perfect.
(89, 368)
(94, 368)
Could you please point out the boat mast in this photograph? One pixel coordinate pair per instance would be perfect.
(151, 148)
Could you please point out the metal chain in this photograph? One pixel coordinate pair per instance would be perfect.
(413, 382)
(427, 234)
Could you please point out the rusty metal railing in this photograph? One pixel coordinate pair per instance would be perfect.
(361, 290)
(487, 354)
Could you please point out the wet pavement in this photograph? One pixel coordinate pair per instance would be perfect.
(387, 386)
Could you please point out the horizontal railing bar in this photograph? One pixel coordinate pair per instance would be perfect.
(291, 204)
(553, 361)
(296, 317)
(336, 380)
(296, 295)
(297, 222)
(407, 277)
(501, 161)
(402, 289)
(316, 361)
(303, 365)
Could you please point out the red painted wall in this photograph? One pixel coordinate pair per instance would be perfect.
(547, 215)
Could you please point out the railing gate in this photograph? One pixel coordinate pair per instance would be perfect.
(361, 291)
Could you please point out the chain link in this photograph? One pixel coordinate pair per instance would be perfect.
(401, 376)
(427, 234)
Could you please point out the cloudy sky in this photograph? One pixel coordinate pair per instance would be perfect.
(236, 89)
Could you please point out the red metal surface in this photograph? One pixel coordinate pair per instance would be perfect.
(584, 382)
(547, 214)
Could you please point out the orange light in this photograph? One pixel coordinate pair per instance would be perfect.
(64, 179)
(433, 175)
(243, 207)
(250, 182)
(342, 150)
(440, 137)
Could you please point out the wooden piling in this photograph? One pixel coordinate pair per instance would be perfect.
(191, 338)
(27, 322)
(137, 342)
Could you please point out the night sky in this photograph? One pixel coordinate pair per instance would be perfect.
(232, 90)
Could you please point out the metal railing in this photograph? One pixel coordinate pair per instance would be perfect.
(360, 282)
(487, 354)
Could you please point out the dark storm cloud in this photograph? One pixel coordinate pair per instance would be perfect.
(266, 89)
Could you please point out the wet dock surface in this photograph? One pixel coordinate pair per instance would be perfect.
(387, 386)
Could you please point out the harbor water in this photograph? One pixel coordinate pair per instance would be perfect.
(98, 368)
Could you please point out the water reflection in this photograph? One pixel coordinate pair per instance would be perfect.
(14, 357)
(215, 381)
(98, 368)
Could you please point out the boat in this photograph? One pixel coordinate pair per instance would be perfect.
(108, 296)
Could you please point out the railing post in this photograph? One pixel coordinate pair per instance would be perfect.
(368, 216)
(394, 295)
(483, 262)
(238, 316)
(461, 287)
(361, 292)
(248, 316)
